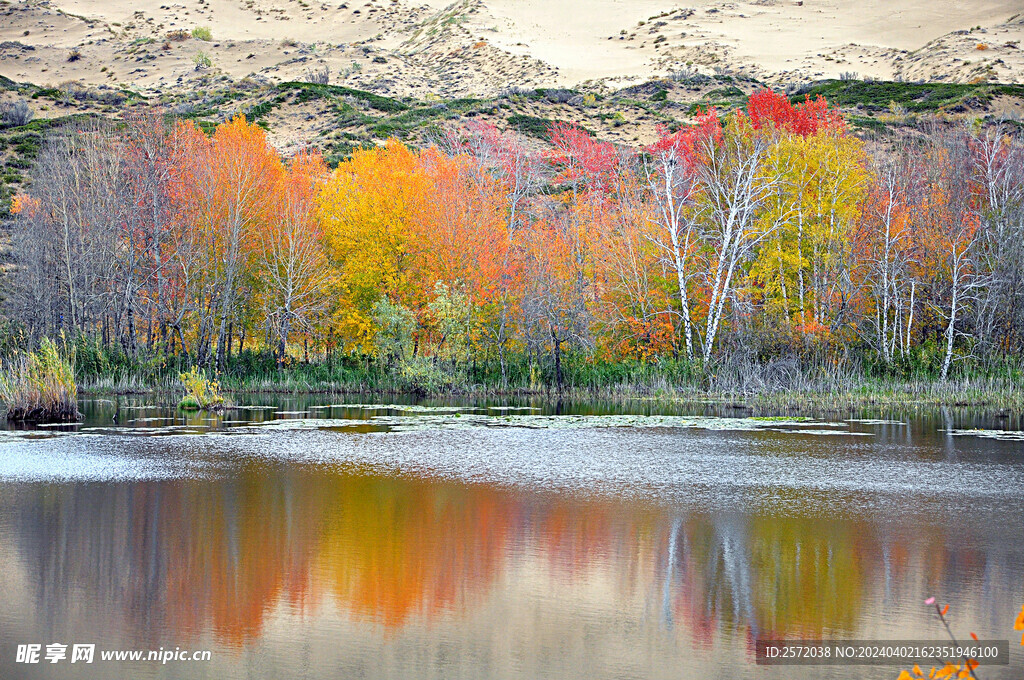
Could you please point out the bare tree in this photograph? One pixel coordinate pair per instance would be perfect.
(291, 263)
(149, 147)
(952, 226)
(998, 170)
(80, 211)
(888, 242)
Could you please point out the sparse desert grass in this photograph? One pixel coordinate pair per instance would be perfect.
(913, 97)
(320, 76)
(15, 114)
(202, 61)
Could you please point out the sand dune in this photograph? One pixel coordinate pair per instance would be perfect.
(481, 46)
(600, 38)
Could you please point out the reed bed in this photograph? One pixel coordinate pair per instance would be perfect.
(40, 386)
(785, 384)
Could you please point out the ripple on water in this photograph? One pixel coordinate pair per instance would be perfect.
(783, 462)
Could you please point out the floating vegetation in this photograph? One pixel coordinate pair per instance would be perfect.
(8, 436)
(413, 408)
(156, 431)
(780, 419)
(256, 419)
(305, 424)
(1002, 435)
(435, 418)
(820, 432)
(513, 408)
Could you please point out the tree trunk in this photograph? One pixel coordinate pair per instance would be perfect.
(558, 362)
(227, 343)
(684, 300)
(950, 332)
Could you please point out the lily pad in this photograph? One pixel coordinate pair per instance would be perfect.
(1002, 435)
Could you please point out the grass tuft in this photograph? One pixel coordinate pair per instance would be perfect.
(40, 386)
(201, 393)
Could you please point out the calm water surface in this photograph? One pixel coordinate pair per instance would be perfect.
(297, 539)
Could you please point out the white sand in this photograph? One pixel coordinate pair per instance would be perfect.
(480, 46)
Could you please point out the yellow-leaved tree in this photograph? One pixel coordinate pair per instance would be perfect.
(799, 270)
(366, 210)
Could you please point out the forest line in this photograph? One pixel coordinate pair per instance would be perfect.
(768, 233)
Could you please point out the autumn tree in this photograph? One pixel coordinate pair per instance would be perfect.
(890, 252)
(516, 174)
(770, 229)
(290, 262)
(367, 211)
(557, 296)
(950, 223)
(228, 184)
(803, 265)
(736, 187)
(672, 180)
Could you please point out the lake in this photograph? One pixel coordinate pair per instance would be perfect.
(318, 537)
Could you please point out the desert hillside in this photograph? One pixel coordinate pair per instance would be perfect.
(351, 74)
(480, 47)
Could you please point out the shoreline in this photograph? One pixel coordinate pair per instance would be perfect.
(925, 394)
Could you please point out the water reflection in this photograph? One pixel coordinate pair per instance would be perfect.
(490, 551)
(537, 579)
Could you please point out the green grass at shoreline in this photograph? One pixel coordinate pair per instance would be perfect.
(984, 393)
(765, 385)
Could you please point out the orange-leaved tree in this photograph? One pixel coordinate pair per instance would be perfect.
(226, 185)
